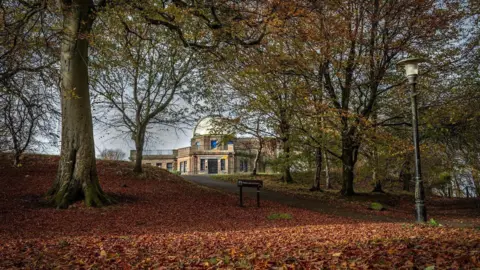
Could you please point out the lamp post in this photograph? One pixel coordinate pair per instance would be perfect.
(411, 70)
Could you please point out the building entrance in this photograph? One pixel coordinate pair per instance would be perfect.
(212, 166)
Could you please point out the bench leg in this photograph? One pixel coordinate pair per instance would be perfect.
(241, 197)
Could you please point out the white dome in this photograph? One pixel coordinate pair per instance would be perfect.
(204, 126)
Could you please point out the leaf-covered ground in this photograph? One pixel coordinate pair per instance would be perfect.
(163, 221)
(399, 205)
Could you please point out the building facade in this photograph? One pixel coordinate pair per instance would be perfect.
(210, 153)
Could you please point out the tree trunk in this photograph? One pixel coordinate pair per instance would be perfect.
(405, 175)
(318, 170)
(77, 173)
(139, 144)
(287, 176)
(328, 183)
(348, 164)
(378, 186)
(257, 159)
(476, 184)
(138, 159)
(16, 159)
(375, 178)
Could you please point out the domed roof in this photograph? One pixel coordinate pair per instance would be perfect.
(205, 126)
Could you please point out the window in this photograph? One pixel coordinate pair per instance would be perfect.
(181, 166)
(202, 164)
(159, 165)
(213, 144)
(169, 166)
(222, 164)
(197, 144)
(184, 166)
(243, 165)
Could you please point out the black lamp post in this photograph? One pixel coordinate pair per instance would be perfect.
(411, 70)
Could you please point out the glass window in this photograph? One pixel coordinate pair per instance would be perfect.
(169, 166)
(241, 165)
(181, 166)
(213, 144)
(159, 165)
(202, 164)
(197, 144)
(222, 164)
(245, 167)
(184, 166)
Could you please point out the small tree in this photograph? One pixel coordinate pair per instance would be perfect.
(112, 154)
(248, 123)
(29, 111)
(144, 79)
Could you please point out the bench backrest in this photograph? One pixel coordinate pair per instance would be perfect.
(249, 183)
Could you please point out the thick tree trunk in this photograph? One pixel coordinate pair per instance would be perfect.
(77, 174)
(348, 174)
(348, 164)
(138, 160)
(139, 144)
(318, 170)
(16, 159)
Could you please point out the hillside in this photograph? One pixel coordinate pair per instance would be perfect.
(163, 220)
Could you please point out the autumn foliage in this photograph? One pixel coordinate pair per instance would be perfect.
(162, 220)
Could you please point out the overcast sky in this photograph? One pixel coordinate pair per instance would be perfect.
(161, 140)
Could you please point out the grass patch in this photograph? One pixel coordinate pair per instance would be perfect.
(377, 206)
(276, 216)
(432, 222)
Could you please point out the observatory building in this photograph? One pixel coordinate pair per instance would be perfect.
(211, 152)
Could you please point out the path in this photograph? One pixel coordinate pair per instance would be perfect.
(304, 203)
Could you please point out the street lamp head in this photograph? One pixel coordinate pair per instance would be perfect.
(411, 65)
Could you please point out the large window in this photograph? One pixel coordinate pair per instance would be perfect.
(181, 166)
(184, 166)
(169, 166)
(222, 164)
(202, 164)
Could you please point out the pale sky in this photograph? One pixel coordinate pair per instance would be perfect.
(163, 140)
